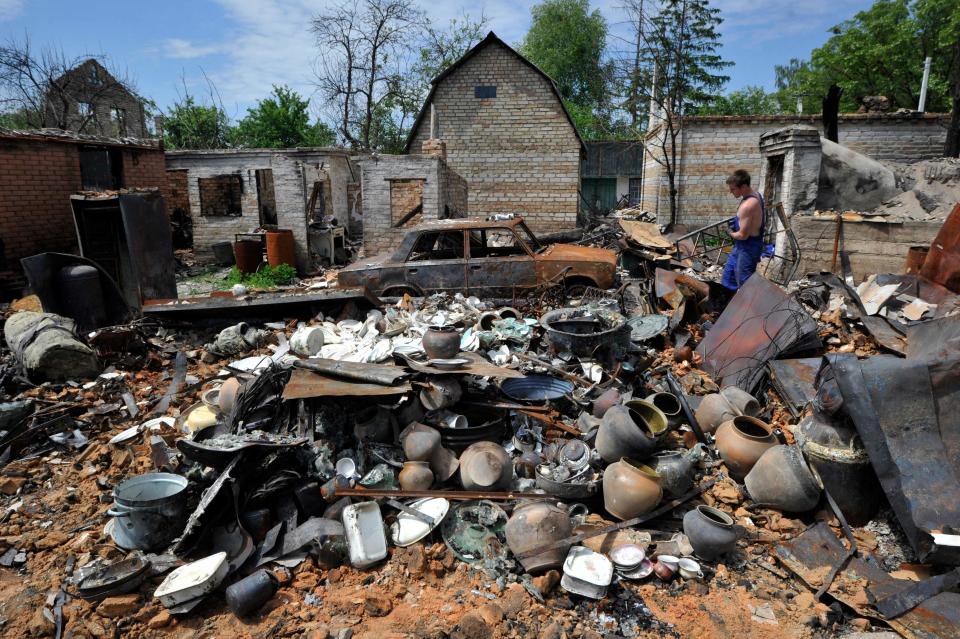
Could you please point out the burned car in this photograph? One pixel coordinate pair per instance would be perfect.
(494, 258)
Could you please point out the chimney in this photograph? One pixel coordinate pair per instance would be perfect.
(434, 146)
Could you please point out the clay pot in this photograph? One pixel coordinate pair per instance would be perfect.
(420, 445)
(416, 475)
(781, 479)
(605, 402)
(229, 391)
(630, 489)
(441, 392)
(741, 441)
(625, 431)
(710, 531)
(669, 405)
(676, 472)
(441, 342)
(730, 402)
(538, 523)
(485, 466)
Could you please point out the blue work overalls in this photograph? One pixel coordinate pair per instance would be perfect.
(743, 259)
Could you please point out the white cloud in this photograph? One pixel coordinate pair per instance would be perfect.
(268, 42)
(184, 49)
(10, 9)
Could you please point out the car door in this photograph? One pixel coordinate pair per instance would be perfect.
(499, 264)
(437, 262)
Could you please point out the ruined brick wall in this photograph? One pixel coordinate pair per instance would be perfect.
(293, 170)
(712, 147)
(175, 194)
(144, 169)
(517, 152)
(379, 182)
(37, 178)
(873, 247)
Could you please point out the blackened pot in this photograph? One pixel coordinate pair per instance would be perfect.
(710, 531)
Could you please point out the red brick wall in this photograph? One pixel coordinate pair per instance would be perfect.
(144, 168)
(37, 179)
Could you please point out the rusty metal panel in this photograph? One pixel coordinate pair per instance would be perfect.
(890, 401)
(760, 323)
(937, 344)
(811, 555)
(150, 244)
(304, 384)
(942, 265)
(796, 381)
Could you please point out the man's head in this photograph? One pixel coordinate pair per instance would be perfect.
(739, 183)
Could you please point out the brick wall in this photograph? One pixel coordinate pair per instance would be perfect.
(176, 192)
(711, 147)
(378, 177)
(517, 152)
(37, 178)
(873, 247)
(293, 171)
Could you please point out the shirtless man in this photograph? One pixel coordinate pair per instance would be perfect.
(746, 229)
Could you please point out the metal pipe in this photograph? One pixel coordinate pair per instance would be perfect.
(923, 86)
(446, 494)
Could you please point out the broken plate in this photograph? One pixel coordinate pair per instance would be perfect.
(407, 529)
(193, 580)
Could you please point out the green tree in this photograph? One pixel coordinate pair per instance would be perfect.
(566, 40)
(681, 43)
(188, 125)
(750, 100)
(881, 51)
(281, 121)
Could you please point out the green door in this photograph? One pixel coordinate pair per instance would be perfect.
(599, 193)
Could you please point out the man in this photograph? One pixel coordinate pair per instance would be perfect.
(746, 229)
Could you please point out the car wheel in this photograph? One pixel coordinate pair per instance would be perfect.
(576, 289)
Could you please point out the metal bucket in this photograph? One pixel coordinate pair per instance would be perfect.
(150, 510)
(249, 255)
(280, 247)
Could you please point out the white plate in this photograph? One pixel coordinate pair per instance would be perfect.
(408, 530)
(125, 436)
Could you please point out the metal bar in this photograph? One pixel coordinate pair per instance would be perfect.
(688, 413)
(464, 495)
(413, 512)
(576, 539)
(576, 379)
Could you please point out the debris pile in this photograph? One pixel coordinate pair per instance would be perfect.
(656, 459)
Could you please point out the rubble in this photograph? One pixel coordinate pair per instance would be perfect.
(637, 461)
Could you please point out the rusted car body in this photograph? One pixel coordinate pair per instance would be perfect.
(496, 258)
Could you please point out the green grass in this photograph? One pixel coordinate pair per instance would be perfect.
(267, 277)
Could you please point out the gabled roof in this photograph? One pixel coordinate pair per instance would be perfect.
(490, 39)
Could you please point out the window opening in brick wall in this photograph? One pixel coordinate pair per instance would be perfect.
(635, 184)
(119, 117)
(266, 197)
(220, 196)
(485, 91)
(101, 168)
(406, 201)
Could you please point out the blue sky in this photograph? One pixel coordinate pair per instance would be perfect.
(244, 46)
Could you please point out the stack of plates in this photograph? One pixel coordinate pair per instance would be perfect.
(630, 561)
(586, 573)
